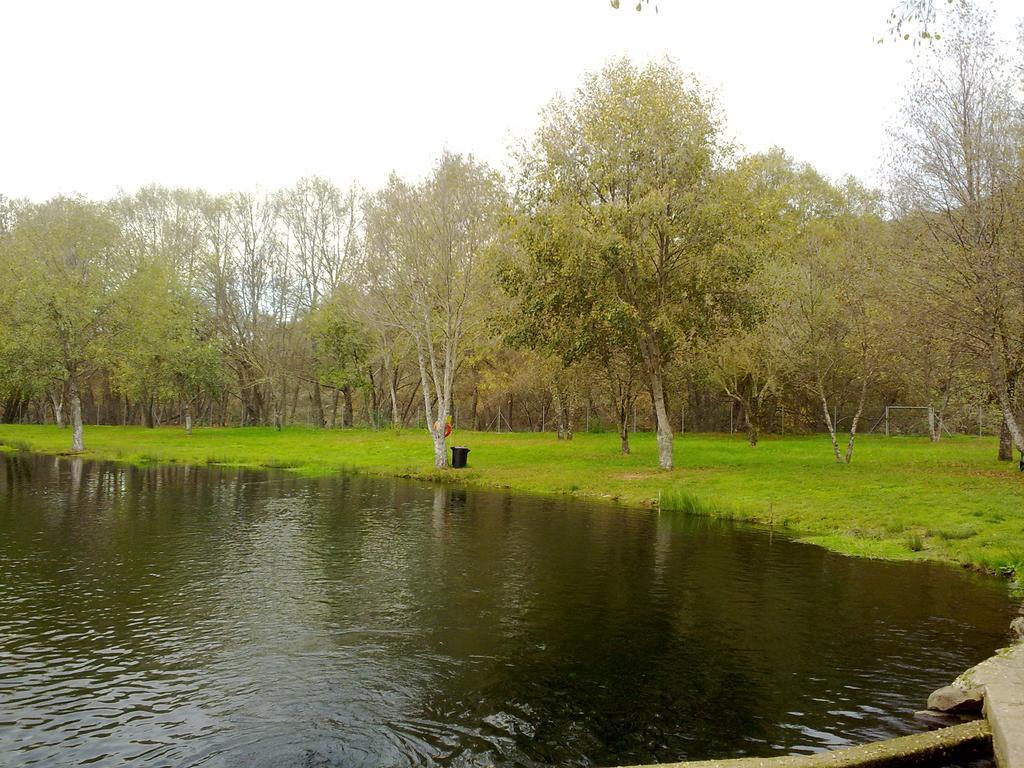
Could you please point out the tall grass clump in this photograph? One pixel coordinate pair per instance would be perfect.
(682, 501)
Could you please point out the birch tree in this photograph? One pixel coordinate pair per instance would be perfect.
(631, 165)
(162, 343)
(957, 175)
(28, 366)
(748, 366)
(772, 209)
(321, 226)
(66, 291)
(163, 347)
(834, 311)
(426, 247)
(254, 298)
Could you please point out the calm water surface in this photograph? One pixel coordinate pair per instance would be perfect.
(175, 616)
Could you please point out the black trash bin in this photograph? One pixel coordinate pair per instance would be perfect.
(459, 455)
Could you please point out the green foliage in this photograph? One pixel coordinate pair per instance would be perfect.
(341, 343)
(627, 231)
(625, 217)
(165, 346)
(61, 296)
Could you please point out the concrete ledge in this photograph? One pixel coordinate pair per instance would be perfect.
(948, 744)
(1002, 678)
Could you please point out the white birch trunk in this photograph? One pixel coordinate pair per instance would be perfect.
(933, 430)
(1010, 419)
(396, 418)
(665, 440)
(831, 430)
(77, 438)
(440, 449)
(1004, 387)
(434, 426)
(856, 418)
(556, 401)
(58, 410)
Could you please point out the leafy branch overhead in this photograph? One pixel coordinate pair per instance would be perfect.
(638, 7)
(917, 19)
(910, 19)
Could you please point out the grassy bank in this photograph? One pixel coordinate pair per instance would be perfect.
(902, 498)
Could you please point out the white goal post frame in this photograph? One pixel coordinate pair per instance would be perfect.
(928, 408)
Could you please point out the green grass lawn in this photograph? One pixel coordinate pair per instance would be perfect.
(901, 498)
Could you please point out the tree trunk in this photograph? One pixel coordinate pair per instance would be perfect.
(110, 402)
(474, 411)
(753, 427)
(831, 430)
(1010, 425)
(188, 419)
(334, 409)
(346, 410)
(660, 412)
(58, 409)
(562, 401)
(934, 426)
(529, 416)
(556, 403)
(77, 439)
(1005, 442)
(391, 376)
(281, 408)
(11, 408)
(396, 419)
(440, 448)
(320, 420)
(375, 415)
(434, 426)
(623, 418)
(88, 404)
(856, 418)
(1004, 385)
(409, 403)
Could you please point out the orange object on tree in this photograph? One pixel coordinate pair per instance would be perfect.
(447, 426)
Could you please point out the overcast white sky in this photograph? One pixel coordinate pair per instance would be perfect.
(221, 94)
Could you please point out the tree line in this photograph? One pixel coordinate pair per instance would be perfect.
(636, 269)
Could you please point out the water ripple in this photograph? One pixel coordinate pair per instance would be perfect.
(182, 617)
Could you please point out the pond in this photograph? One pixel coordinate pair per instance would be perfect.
(187, 616)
